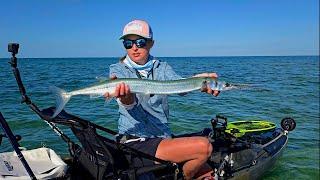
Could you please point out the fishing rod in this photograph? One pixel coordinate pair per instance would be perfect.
(13, 48)
(13, 140)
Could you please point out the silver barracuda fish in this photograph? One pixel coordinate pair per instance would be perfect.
(142, 86)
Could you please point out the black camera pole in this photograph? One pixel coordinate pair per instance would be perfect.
(15, 146)
(13, 48)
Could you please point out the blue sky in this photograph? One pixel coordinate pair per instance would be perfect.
(76, 28)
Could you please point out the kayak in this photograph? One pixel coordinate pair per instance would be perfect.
(243, 150)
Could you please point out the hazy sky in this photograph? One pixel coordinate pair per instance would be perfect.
(77, 28)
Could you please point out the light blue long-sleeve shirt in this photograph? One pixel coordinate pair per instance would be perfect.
(149, 116)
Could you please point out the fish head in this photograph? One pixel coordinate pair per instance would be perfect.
(208, 82)
(219, 85)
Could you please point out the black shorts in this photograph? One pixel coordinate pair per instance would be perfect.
(148, 146)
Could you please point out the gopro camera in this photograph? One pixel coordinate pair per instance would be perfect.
(13, 48)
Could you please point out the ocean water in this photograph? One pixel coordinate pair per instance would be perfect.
(283, 87)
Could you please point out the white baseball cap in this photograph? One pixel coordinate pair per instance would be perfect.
(138, 27)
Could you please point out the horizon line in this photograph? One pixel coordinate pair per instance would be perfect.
(160, 56)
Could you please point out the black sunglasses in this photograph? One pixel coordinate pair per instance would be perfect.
(140, 43)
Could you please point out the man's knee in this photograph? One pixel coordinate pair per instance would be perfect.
(206, 147)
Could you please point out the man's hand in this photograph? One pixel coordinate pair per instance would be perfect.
(207, 89)
(122, 92)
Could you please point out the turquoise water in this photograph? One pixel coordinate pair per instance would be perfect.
(283, 87)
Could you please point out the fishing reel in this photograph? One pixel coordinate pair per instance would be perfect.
(288, 124)
(218, 136)
(219, 125)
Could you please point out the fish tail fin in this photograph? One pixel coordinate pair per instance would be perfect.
(62, 98)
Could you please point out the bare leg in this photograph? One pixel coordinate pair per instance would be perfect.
(193, 151)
